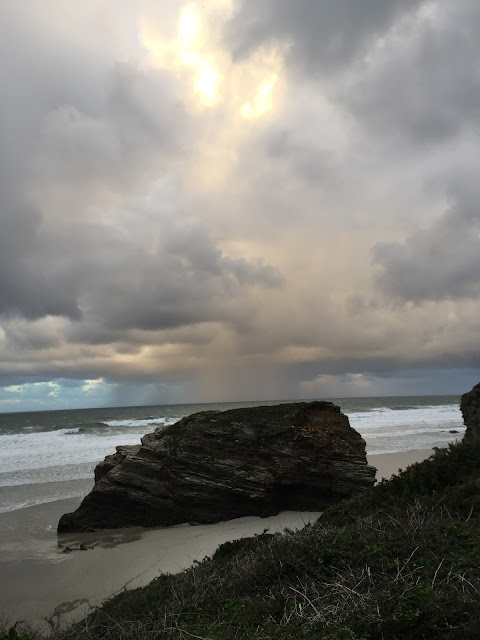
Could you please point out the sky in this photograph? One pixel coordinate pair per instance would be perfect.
(238, 200)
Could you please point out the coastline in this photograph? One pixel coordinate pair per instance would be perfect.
(41, 581)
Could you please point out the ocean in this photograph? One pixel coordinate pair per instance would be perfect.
(48, 456)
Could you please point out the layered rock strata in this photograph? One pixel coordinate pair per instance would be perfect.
(470, 407)
(214, 466)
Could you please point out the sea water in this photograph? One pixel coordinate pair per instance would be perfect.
(50, 455)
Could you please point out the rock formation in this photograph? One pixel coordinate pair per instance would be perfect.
(470, 407)
(215, 465)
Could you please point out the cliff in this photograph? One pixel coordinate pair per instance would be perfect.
(470, 407)
(214, 466)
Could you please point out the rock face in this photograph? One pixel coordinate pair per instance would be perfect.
(470, 407)
(215, 465)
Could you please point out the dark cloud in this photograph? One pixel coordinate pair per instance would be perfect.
(423, 85)
(22, 334)
(25, 287)
(196, 251)
(8, 380)
(437, 263)
(184, 279)
(76, 129)
(87, 149)
(125, 142)
(312, 163)
(323, 35)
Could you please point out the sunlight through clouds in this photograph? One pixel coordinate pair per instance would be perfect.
(233, 96)
(92, 384)
(262, 101)
(190, 31)
(188, 51)
(195, 54)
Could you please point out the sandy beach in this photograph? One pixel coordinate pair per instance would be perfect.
(42, 578)
(45, 578)
(389, 463)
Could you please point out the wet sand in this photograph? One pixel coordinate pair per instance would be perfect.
(59, 579)
(41, 580)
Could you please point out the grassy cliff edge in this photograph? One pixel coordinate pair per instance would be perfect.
(402, 561)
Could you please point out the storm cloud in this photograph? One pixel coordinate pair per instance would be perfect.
(321, 35)
(440, 262)
(243, 200)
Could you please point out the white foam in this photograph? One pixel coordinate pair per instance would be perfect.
(26, 451)
(387, 430)
(41, 499)
(53, 456)
(140, 423)
(384, 418)
(427, 431)
(58, 473)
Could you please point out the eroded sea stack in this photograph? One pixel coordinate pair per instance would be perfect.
(215, 465)
(470, 407)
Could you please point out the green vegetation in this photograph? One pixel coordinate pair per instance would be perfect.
(402, 561)
(13, 633)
